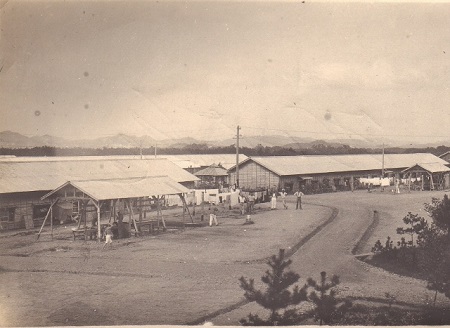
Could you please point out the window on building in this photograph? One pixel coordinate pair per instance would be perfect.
(7, 214)
(40, 210)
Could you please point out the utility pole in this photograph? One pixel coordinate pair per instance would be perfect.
(237, 156)
(156, 144)
(140, 148)
(382, 170)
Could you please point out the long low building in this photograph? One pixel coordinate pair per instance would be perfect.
(326, 171)
(23, 183)
(190, 162)
(196, 162)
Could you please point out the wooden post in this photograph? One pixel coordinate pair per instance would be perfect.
(409, 182)
(185, 206)
(203, 204)
(140, 210)
(159, 213)
(99, 228)
(80, 215)
(46, 216)
(51, 220)
(130, 209)
(146, 200)
(114, 210)
(129, 214)
(85, 219)
(110, 210)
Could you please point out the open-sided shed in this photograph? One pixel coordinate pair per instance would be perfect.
(427, 176)
(102, 191)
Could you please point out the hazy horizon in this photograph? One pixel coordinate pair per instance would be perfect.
(198, 69)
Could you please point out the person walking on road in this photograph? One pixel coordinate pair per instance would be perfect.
(283, 198)
(299, 195)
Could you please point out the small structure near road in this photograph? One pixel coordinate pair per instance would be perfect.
(428, 176)
(214, 176)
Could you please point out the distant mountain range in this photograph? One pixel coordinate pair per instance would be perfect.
(9, 139)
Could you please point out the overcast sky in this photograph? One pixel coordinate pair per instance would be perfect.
(198, 69)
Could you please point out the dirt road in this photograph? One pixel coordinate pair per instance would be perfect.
(193, 276)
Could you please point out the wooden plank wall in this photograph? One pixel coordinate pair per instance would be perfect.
(253, 175)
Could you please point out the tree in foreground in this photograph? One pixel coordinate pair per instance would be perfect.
(439, 210)
(328, 308)
(280, 296)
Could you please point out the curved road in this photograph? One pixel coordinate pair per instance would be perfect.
(331, 248)
(193, 276)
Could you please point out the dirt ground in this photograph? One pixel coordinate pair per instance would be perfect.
(191, 275)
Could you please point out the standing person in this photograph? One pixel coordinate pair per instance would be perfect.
(273, 202)
(251, 202)
(283, 198)
(108, 236)
(397, 183)
(242, 203)
(213, 216)
(299, 195)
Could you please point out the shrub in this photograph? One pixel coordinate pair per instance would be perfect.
(328, 308)
(278, 298)
(439, 210)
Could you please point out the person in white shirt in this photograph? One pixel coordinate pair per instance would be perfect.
(299, 195)
(283, 198)
(213, 216)
(273, 202)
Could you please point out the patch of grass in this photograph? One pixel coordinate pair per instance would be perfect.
(387, 263)
(366, 315)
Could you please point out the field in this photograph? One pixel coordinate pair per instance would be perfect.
(190, 276)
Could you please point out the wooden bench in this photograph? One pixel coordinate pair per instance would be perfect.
(147, 227)
(91, 232)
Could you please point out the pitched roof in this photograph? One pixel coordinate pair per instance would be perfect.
(200, 160)
(430, 167)
(212, 170)
(299, 165)
(444, 154)
(48, 175)
(184, 161)
(124, 188)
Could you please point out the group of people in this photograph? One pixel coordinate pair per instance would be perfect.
(298, 194)
(249, 200)
(247, 204)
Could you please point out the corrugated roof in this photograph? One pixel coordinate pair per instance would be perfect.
(430, 167)
(444, 154)
(183, 161)
(195, 161)
(213, 170)
(300, 165)
(124, 188)
(48, 175)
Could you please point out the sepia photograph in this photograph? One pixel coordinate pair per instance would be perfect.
(224, 163)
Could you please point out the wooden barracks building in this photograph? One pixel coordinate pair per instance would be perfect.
(24, 181)
(324, 171)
